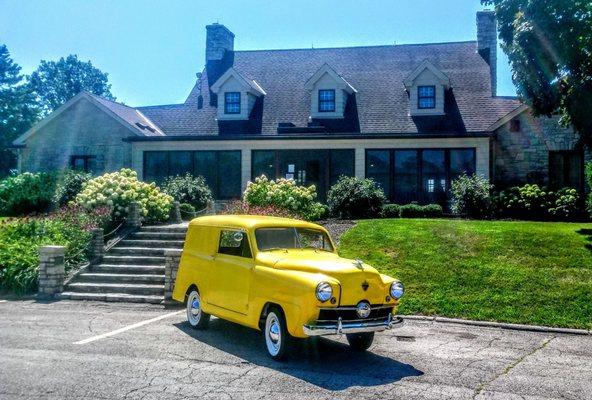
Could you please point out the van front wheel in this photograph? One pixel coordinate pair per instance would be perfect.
(277, 338)
(195, 315)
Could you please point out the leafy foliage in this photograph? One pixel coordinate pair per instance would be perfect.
(565, 204)
(188, 189)
(26, 193)
(589, 182)
(549, 43)
(353, 197)
(187, 211)
(119, 189)
(533, 202)
(471, 196)
(243, 208)
(56, 82)
(284, 194)
(432, 211)
(70, 183)
(391, 211)
(18, 109)
(21, 239)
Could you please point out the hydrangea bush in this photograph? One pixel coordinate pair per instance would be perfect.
(471, 196)
(353, 197)
(119, 189)
(284, 194)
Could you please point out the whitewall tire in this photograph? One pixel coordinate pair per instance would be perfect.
(277, 338)
(195, 316)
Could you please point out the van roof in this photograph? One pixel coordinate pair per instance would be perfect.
(250, 221)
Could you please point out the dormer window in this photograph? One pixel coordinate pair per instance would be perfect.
(232, 103)
(327, 100)
(426, 97)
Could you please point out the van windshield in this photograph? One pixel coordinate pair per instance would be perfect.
(292, 238)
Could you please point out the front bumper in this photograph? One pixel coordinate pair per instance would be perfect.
(357, 326)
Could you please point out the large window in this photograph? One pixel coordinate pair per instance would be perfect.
(327, 100)
(421, 175)
(426, 97)
(566, 169)
(321, 168)
(232, 103)
(220, 169)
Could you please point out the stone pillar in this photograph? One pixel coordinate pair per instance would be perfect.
(51, 271)
(97, 245)
(210, 208)
(133, 216)
(176, 213)
(172, 257)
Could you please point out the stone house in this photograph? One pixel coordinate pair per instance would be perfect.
(413, 117)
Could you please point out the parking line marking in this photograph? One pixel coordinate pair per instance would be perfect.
(126, 328)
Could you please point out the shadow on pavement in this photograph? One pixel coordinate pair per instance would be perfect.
(321, 362)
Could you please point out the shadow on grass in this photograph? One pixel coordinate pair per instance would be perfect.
(588, 233)
(325, 363)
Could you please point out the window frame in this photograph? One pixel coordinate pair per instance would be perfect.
(420, 97)
(85, 158)
(226, 103)
(334, 102)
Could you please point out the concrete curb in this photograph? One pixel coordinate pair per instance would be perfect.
(501, 325)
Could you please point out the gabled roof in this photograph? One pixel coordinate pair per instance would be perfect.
(426, 64)
(326, 69)
(132, 119)
(250, 84)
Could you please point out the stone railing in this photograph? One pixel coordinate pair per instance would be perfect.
(172, 258)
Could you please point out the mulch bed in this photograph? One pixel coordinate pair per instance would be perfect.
(337, 227)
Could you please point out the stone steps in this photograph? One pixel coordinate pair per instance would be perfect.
(131, 271)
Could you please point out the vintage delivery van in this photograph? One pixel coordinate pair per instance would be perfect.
(283, 277)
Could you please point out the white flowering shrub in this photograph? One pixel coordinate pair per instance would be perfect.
(284, 194)
(118, 189)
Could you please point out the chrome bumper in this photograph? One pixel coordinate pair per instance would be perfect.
(357, 326)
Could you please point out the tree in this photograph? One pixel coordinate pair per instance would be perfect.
(56, 82)
(18, 109)
(549, 45)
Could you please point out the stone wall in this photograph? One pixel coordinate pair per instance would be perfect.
(82, 129)
(172, 258)
(51, 271)
(523, 156)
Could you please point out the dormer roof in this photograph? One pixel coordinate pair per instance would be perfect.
(339, 80)
(442, 78)
(250, 84)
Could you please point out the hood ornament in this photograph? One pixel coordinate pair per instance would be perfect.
(359, 264)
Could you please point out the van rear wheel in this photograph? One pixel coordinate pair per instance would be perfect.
(195, 315)
(360, 341)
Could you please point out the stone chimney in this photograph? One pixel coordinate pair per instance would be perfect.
(219, 54)
(487, 43)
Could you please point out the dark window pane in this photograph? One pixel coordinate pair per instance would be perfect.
(205, 165)
(426, 96)
(326, 100)
(234, 243)
(180, 163)
(263, 164)
(342, 163)
(155, 166)
(232, 103)
(406, 176)
(565, 169)
(378, 168)
(433, 178)
(229, 174)
(462, 161)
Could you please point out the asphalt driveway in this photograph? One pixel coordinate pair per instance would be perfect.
(78, 350)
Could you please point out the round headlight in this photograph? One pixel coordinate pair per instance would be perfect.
(397, 290)
(324, 292)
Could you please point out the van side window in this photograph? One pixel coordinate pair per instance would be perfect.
(234, 243)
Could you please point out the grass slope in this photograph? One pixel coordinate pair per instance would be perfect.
(521, 272)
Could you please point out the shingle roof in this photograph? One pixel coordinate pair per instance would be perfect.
(381, 104)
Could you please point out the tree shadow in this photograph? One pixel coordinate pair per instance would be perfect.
(325, 363)
(588, 233)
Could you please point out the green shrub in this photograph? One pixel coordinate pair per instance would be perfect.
(242, 208)
(391, 211)
(21, 239)
(187, 211)
(412, 211)
(353, 197)
(284, 194)
(188, 189)
(525, 202)
(119, 189)
(471, 196)
(432, 211)
(565, 204)
(589, 182)
(26, 193)
(69, 185)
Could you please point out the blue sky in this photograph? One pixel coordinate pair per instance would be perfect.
(152, 49)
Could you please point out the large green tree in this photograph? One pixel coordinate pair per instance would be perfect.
(549, 45)
(56, 82)
(18, 108)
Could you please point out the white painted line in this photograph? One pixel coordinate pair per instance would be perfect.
(127, 328)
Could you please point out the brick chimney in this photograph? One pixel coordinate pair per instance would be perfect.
(487, 43)
(219, 54)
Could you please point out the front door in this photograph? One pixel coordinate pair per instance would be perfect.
(231, 271)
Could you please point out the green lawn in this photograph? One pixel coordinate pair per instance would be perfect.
(521, 272)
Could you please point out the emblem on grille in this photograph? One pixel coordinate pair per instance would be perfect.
(365, 285)
(363, 309)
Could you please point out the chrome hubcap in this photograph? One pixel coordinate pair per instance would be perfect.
(193, 308)
(274, 332)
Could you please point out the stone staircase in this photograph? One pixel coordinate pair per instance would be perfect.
(132, 270)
